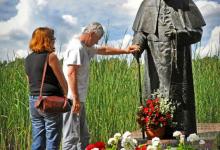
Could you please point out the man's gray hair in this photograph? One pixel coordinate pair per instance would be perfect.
(94, 27)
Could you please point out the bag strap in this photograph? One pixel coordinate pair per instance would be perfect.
(43, 76)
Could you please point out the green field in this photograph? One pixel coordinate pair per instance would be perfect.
(112, 99)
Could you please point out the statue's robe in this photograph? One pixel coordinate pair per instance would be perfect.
(168, 64)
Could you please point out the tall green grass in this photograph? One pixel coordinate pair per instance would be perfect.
(112, 98)
(111, 103)
(14, 120)
(206, 84)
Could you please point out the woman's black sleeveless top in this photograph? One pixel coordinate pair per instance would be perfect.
(34, 65)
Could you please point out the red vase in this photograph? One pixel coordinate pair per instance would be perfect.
(151, 133)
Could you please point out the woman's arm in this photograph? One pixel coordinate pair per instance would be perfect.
(55, 65)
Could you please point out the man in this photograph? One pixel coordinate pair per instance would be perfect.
(165, 29)
(76, 70)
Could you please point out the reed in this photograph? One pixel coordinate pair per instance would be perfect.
(112, 99)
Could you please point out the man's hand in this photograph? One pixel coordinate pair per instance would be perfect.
(76, 106)
(133, 48)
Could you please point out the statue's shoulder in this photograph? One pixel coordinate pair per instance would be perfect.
(150, 3)
(194, 15)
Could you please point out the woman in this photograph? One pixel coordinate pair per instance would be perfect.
(46, 127)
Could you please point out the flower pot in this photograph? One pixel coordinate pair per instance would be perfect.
(151, 133)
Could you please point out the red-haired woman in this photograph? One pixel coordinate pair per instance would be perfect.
(46, 127)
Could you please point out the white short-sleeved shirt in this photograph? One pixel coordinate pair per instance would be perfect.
(79, 54)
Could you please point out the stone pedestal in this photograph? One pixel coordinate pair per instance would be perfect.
(210, 132)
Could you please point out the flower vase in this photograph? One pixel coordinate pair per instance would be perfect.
(158, 132)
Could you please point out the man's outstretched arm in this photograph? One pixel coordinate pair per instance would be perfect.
(106, 50)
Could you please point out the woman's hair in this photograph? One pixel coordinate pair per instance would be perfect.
(42, 40)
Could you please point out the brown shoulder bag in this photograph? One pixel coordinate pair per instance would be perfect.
(51, 104)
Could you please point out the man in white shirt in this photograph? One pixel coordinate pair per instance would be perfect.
(76, 70)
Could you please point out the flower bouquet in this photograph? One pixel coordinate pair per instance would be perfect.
(156, 113)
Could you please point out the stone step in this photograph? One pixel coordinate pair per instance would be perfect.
(210, 132)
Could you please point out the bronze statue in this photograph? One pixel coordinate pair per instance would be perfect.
(165, 30)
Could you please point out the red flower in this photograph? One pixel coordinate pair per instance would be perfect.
(152, 107)
(146, 119)
(90, 146)
(142, 147)
(157, 100)
(145, 110)
(157, 114)
(162, 119)
(168, 116)
(100, 145)
(149, 101)
(164, 123)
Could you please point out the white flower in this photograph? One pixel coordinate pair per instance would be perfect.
(192, 138)
(201, 142)
(129, 143)
(140, 107)
(182, 138)
(134, 141)
(126, 134)
(123, 142)
(112, 141)
(95, 149)
(155, 141)
(165, 105)
(173, 148)
(117, 135)
(150, 147)
(177, 134)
